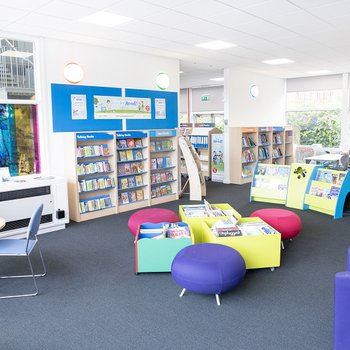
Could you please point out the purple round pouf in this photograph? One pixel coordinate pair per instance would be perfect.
(208, 268)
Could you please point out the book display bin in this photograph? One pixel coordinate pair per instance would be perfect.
(258, 251)
(196, 222)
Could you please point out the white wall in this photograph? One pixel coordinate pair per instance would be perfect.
(241, 109)
(103, 67)
(216, 99)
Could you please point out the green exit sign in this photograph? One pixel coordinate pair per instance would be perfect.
(205, 98)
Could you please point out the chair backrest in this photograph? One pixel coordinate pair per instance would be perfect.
(34, 222)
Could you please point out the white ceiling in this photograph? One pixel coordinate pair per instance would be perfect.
(313, 33)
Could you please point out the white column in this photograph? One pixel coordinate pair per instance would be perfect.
(226, 126)
(345, 115)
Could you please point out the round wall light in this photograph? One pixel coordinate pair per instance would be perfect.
(73, 72)
(254, 91)
(162, 81)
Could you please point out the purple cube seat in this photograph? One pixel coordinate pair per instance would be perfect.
(208, 268)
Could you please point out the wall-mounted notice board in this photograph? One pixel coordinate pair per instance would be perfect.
(73, 108)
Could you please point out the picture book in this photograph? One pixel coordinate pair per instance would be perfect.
(158, 145)
(163, 177)
(138, 142)
(131, 181)
(131, 143)
(122, 156)
(129, 154)
(121, 169)
(138, 154)
(105, 150)
(340, 179)
(154, 163)
(160, 163)
(138, 180)
(124, 182)
(127, 169)
(139, 195)
(158, 177)
(124, 197)
(163, 190)
(134, 168)
(169, 175)
(132, 196)
(153, 178)
(176, 231)
(334, 192)
(122, 143)
(168, 162)
(152, 146)
(261, 169)
(153, 193)
(140, 168)
(168, 189)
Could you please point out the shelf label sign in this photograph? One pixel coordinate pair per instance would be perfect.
(217, 157)
(112, 107)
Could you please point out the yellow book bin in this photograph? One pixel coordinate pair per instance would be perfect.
(196, 222)
(259, 251)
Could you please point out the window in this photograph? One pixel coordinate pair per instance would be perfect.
(214, 118)
(19, 138)
(315, 117)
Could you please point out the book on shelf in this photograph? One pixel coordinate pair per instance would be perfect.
(138, 180)
(129, 154)
(152, 146)
(153, 178)
(160, 163)
(127, 169)
(248, 156)
(169, 175)
(130, 142)
(131, 181)
(105, 150)
(132, 196)
(122, 143)
(154, 163)
(124, 198)
(138, 154)
(158, 177)
(334, 192)
(247, 171)
(139, 195)
(138, 142)
(122, 156)
(168, 162)
(124, 182)
(163, 177)
(121, 169)
(256, 228)
(176, 231)
(134, 168)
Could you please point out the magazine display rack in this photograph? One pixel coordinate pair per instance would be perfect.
(194, 215)
(270, 183)
(163, 169)
(132, 169)
(264, 144)
(91, 186)
(258, 243)
(195, 179)
(328, 192)
(154, 254)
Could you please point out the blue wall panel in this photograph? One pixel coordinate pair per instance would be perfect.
(62, 118)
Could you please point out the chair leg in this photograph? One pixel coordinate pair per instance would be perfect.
(34, 281)
(217, 299)
(30, 275)
(182, 293)
(282, 245)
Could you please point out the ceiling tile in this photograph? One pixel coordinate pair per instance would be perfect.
(26, 5)
(169, 18)
(98, 5)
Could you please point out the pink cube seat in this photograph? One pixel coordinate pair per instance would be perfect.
(153, 215)
(286, 222)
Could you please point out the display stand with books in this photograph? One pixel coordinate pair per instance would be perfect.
(91, 186)
(195, 179)
(299, 182)
(270, 183)
(132, 169)
(195, 214)
(257, 242)
(157, 244)
(328, 192)
(163, 169)
(249, 145)
(200, 137)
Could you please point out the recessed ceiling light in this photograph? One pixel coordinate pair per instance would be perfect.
(106, 19)
(216, 45)
(319, 72)
(13, 53)
(181, 72)
(217, 79)
(278, 61)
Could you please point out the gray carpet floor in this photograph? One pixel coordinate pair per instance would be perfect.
(91, 298)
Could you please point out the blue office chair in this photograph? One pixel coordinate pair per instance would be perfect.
(23, 247)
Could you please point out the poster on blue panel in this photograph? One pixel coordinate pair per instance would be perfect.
(217, 157)
(111, 107)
